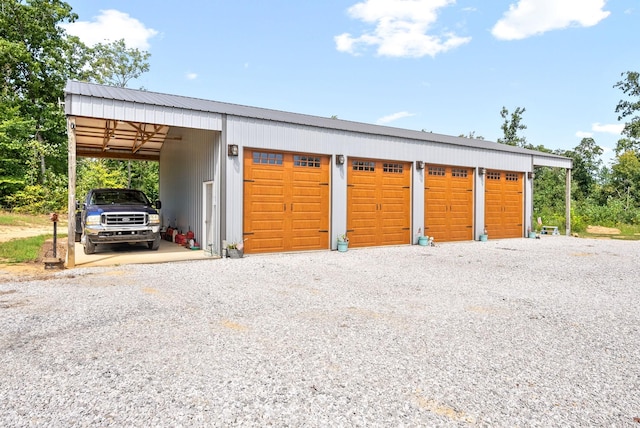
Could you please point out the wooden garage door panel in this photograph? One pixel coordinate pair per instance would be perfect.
(378, 201)
(504, 204)
(286, 201)
(448, 203)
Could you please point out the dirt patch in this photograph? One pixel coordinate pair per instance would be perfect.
(601, 230)
(7, 233)
(26, 271)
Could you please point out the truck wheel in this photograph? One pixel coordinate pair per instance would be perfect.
(89, 247)
(155, 244)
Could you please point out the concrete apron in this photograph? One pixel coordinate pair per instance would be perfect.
(123, 254)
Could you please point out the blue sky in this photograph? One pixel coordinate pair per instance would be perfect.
(444, 66)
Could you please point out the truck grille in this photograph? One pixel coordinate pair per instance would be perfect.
(124, 219)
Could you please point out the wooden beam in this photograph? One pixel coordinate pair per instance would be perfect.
(111, 154)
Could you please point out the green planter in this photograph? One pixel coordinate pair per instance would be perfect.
(423, 240)
(343, 246)
(484, 238)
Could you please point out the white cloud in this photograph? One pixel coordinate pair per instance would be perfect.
(584, 134)
(615, 128)
(531, 17)
(393, 117)
(112, 25)
(191, 76)
(400, 29)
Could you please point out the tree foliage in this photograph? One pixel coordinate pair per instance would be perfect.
(629, 108)
(116, 65)
(37, 57)
(511, 127)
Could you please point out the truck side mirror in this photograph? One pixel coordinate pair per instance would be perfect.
(158, 204)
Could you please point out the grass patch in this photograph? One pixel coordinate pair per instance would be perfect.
(22, 250)
(14, 219)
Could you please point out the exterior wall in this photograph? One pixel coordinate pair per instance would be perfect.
(81, 105)
(184, 165)
(278, 136)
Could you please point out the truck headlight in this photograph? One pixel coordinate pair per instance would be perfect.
(92, 220)
(154, 218)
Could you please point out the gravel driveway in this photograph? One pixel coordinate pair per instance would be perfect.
(520, 332)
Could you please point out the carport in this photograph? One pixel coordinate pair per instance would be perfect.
(106, 122)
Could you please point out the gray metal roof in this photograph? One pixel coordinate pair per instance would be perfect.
(201, 105)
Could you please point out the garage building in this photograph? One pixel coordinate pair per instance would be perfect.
(284, 181)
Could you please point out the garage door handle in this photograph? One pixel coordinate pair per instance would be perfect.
(284, 207)
(291, 207)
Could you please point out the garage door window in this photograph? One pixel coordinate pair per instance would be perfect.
(437, 170)
(308, 161)
(493, 175)
(364, 166)
(267, 158)
(459, 172)
(511, 176)
(394, 168)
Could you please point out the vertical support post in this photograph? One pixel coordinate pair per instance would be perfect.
(71, 203)
(568, 202)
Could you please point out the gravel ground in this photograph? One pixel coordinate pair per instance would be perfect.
(519, 332)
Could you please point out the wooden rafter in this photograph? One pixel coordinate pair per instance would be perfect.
(142, 135)
(109, 132)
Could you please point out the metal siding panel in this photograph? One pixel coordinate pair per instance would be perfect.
(184, 166)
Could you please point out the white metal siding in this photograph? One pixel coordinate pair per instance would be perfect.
(80, 105)
(270, 135)
(184, 166)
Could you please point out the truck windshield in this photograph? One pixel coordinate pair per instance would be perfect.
(121, 197)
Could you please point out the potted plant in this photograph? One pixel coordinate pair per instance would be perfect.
(484, 236)
(235, 250)
(343, 242)
(423, 240)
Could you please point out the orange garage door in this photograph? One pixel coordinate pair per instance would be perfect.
(504, 204)
(448, 196)
(286, 202)
(378, 203)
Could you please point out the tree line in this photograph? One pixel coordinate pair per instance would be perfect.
(37, 57)
(606, 195)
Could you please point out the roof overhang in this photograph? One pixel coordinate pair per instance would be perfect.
(116, 139)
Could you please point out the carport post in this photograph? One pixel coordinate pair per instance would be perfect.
(567, 199)
(71, 249)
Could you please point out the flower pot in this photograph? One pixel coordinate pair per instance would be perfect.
(343, 246)
(423, 240)
(532, 235)
(484, 237)
(234, 253)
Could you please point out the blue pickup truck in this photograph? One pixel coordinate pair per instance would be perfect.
(110, 216)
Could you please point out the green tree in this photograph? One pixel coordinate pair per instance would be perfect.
(511, 126)
(472, 134)
(630, 86)
(587, 168)
(115, 65)
(36, 59)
